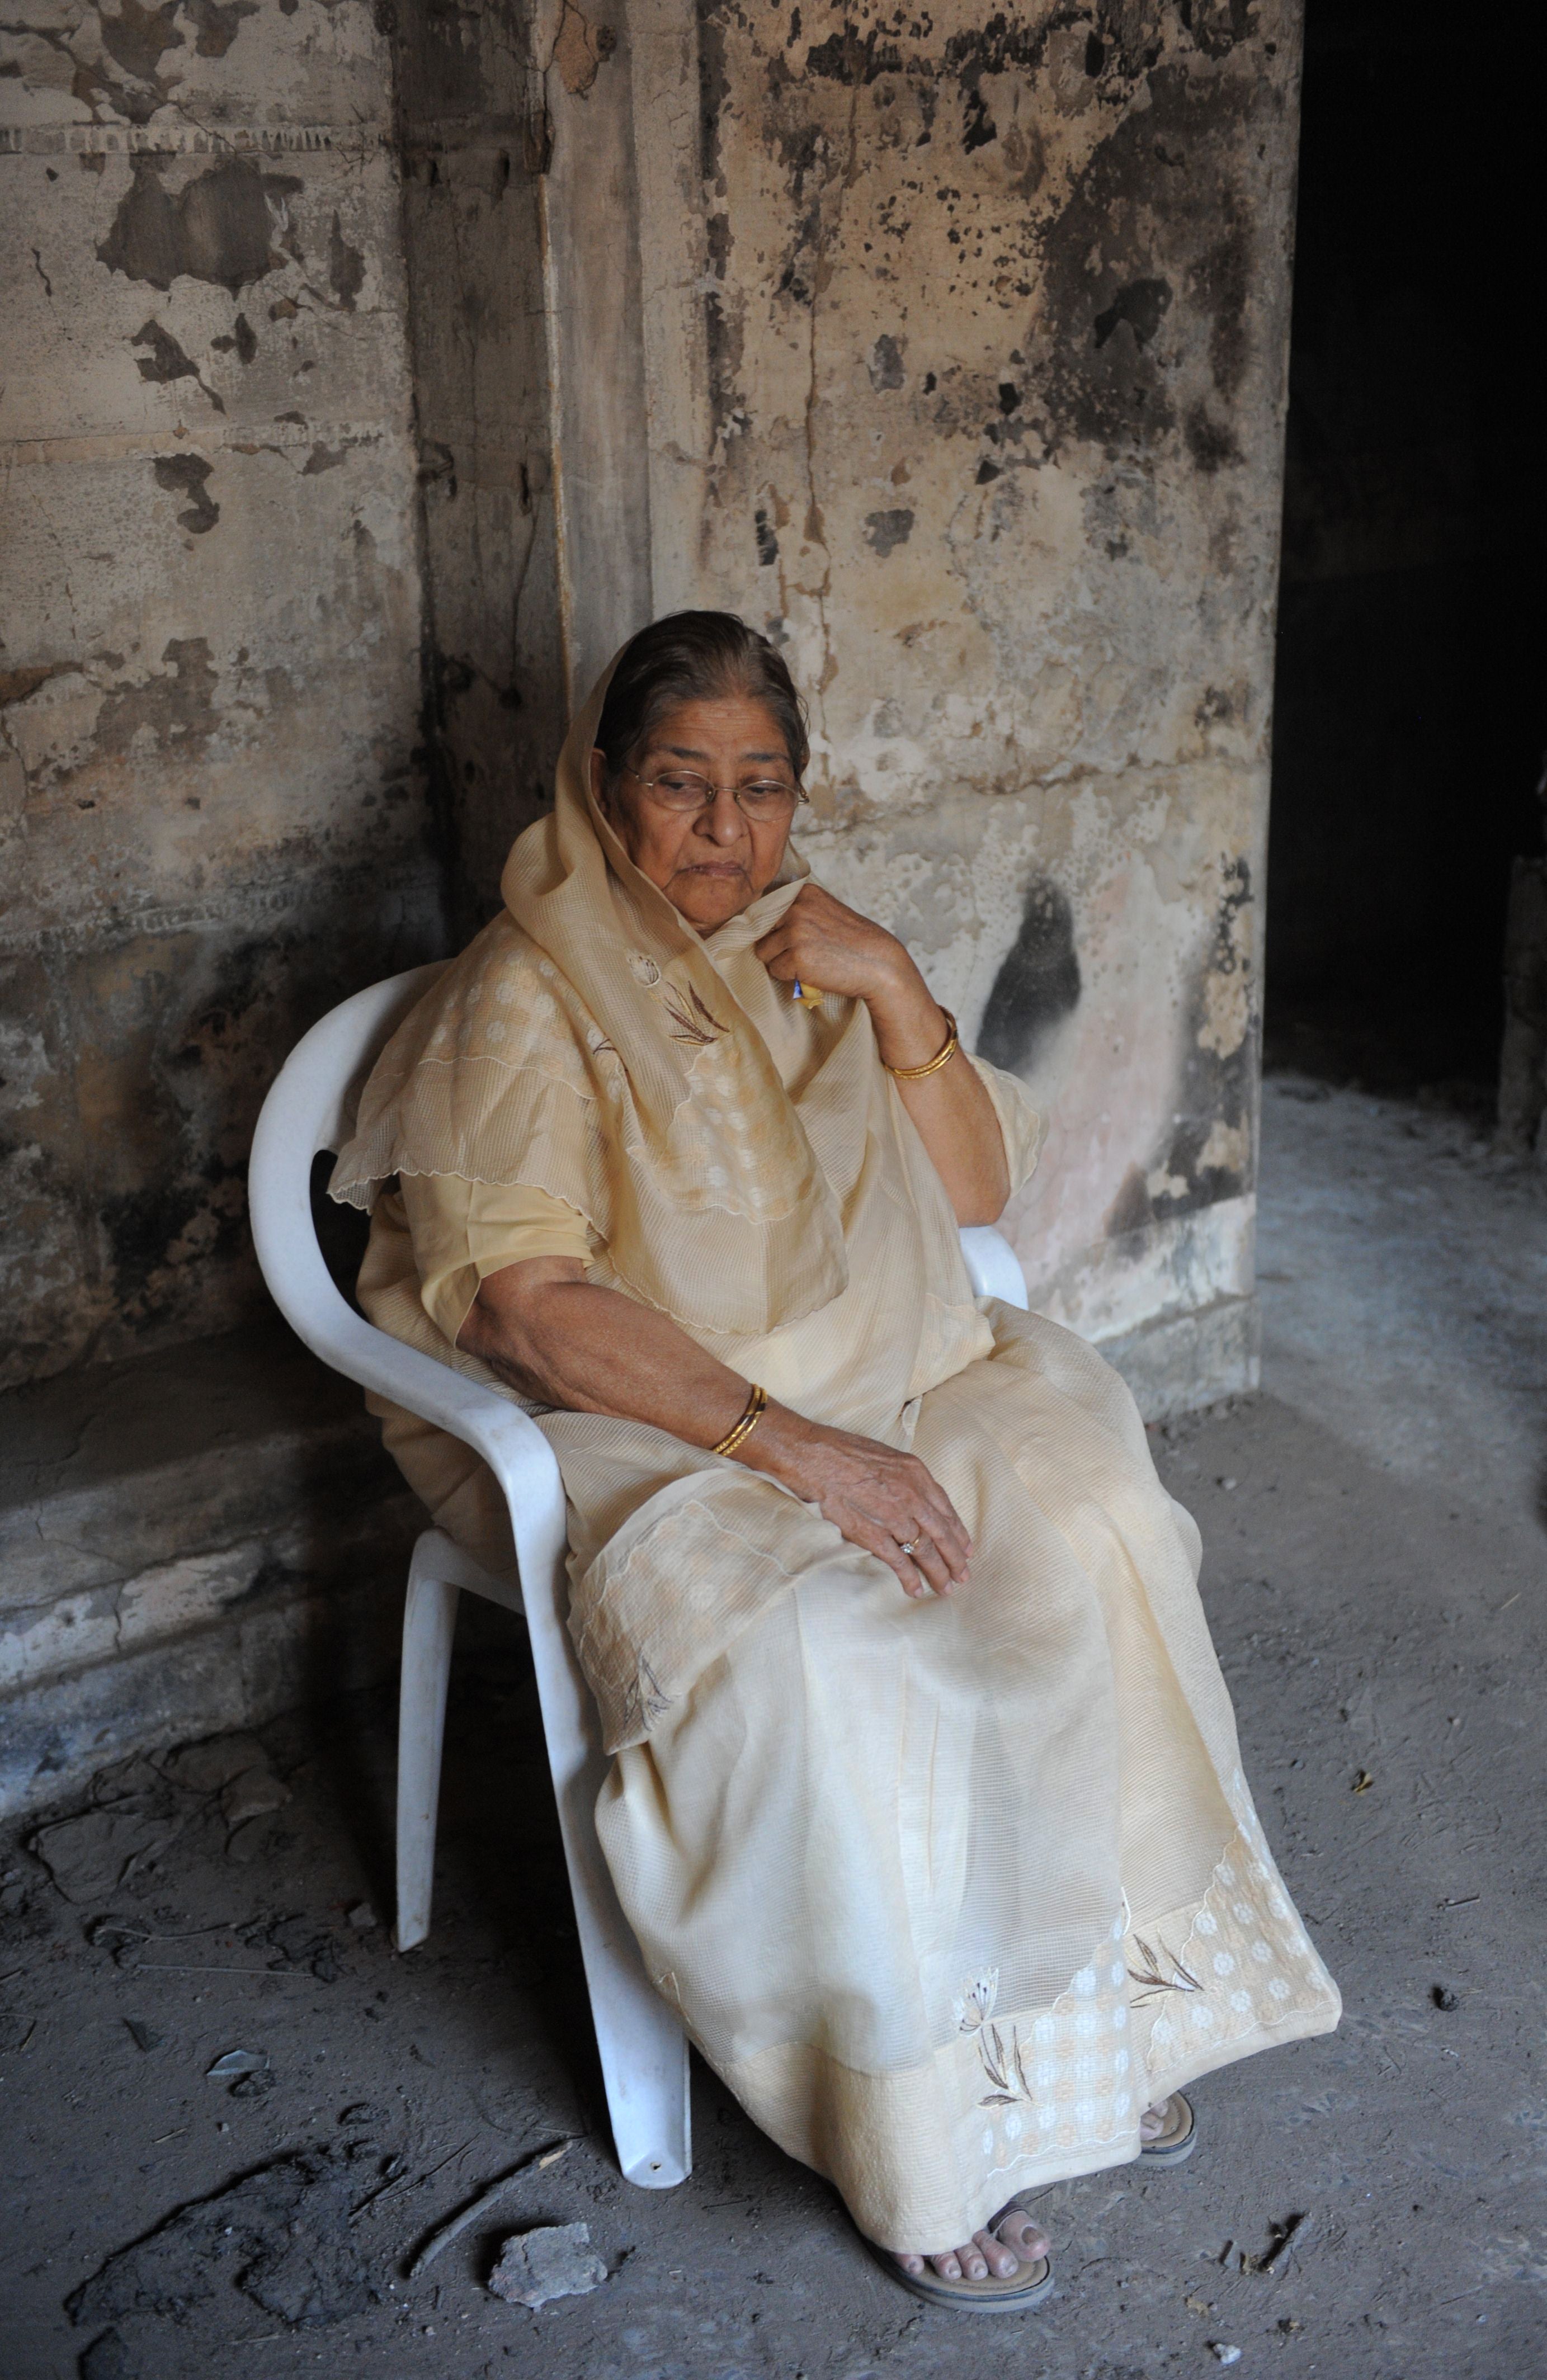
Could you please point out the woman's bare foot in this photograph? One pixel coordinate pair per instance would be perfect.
(1013, 2242)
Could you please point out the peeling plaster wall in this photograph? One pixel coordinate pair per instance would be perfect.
(951, 350)
(477, 148)
(213, 818)
(965, 350)
(354, 432)
(366, 385)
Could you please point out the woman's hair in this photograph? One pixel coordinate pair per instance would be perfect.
(695, 657)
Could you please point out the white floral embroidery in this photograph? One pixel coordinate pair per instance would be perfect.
(973, 2005)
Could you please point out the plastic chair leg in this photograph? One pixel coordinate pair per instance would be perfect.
(641, 2042)
(429, 1624)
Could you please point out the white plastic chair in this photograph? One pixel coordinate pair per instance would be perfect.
(643, 2053)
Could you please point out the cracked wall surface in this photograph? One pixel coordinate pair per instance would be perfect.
(967, 383)
(377, 383)
(214, 817)
(475, 147)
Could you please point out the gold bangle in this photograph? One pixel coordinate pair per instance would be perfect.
(755, 1406)
(931, 1066)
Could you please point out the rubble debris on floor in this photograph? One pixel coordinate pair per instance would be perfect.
(555, 2260)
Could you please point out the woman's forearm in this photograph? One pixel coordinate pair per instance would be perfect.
(820, 941)
(953, 1112)
(562, 1341)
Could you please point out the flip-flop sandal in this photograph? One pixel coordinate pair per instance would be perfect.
(1025, 2287)
(1178, 2137)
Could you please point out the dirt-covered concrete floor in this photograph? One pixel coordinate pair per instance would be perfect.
(1375, 1571)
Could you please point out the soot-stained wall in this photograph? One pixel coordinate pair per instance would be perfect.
(213, 816)
(477, 155)
(354, 431)
(983, 422)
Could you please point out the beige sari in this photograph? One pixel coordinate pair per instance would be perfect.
(949, 1891)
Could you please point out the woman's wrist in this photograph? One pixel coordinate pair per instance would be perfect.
(776, 1444)
(910, 1022)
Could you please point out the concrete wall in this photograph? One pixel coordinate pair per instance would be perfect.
(952, 353)
(364, 394)
(954, 356)
(965, 357)
(213, 817)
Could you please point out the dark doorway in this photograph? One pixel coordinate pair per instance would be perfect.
(1411, 694)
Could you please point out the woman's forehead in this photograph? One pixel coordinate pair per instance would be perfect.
(692, 729)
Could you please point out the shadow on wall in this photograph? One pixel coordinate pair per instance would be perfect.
(1038, 983)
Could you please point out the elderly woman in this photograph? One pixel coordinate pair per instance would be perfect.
(925, 1805)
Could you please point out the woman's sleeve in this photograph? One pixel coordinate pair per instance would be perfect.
(464, 1230)
(1019, 1120)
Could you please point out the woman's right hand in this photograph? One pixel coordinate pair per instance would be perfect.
(880, 1498)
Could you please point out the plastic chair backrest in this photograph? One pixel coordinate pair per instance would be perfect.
(310, 1107)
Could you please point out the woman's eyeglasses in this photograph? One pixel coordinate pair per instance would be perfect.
(759, 798)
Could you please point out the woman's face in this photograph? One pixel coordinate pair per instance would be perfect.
(712, 862)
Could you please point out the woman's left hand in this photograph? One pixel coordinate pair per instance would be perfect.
(819, 942)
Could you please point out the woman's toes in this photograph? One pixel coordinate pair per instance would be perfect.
(1027, 2241)
(1002, 2261)
(1152, 2122)
(1016, 2241)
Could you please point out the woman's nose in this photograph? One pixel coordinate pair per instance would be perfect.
(721, 820)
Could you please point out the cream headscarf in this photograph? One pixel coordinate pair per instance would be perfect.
(585, 1043)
